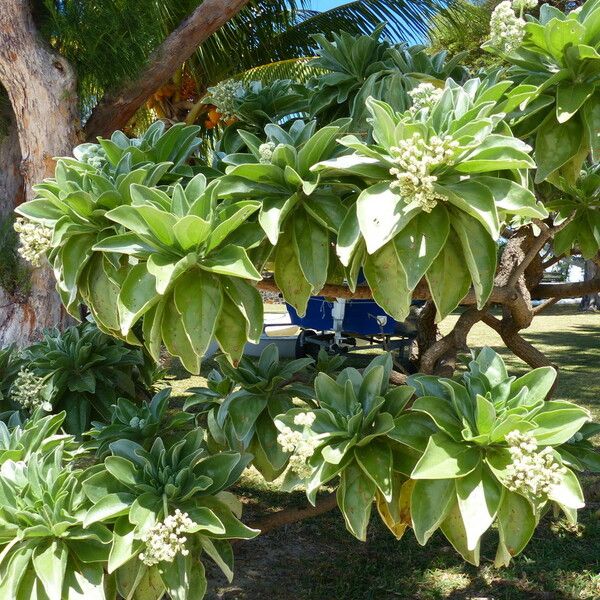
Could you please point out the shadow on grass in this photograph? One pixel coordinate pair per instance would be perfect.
(318, 559)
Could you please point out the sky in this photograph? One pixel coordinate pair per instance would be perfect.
(326, 4)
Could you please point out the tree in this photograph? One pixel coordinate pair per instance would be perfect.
(391, 163)
(59, 59)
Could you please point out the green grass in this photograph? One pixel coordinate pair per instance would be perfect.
(318, 560)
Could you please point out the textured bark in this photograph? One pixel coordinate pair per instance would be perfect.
(441, 357)
(592, 271)
(12, 190)
(428, 332)
(41, 88)
(115, 110)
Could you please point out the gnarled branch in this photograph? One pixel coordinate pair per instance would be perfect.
(290, 515)
(115, 110)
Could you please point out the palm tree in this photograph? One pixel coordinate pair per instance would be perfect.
(75, 69)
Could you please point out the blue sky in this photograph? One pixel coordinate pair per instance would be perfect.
(326, 4)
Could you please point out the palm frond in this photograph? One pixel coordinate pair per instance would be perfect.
(405, 20)
(296, 69)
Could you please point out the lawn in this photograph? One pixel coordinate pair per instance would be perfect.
(318, 560)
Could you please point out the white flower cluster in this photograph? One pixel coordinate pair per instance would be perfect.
(301, 445)
(28, 391)
(506, 29)
(425, 95)
(416, 158)
(224, 96)
(265, 152)
(164, 541)
(35, 240)
(531, 472)
(91, 154)
(137, 423)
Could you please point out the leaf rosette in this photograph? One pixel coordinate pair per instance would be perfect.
(352, 438)
(497, 456)
(189, 276)
(138, 490)
(439, 184)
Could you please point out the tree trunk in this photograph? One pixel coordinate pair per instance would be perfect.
(42, 92)
(590, 301)
(12, 191)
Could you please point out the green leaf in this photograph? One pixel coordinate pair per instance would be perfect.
(311, 244)
(476, 200)
(50, 563)
(446, 459)
(382, 214)
(570, 98)
(243, 410)
(375, 459)
(318, 147)
(160, 223)
(232, 261)
(122, 470)
(221, 552)
(355, 496)
(413, 430)
(138, 294)
(273, 212)
(429, 506)
(109, 507)
(124, 545)
(539, 383)
(448, 278)
(513, 198)
(558, 421)
(231, 331)
(485, 415)
(442, 412)
(166, 270)
(198, 299)
(85, 583)
(184, 578)
(348, 236)
(420, 242)
(249, 302)
(453, 528)
(555, 145)
(176, 339)
(568, 492)
(288, 274)
(516, 524)
(190, 231)
(387, 279)
(497, 153)
(479, 495)
(479, 250)
(591, 120)
(236, 214)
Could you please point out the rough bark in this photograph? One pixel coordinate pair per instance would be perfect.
(12, 190)
(41, 88)
(591, 301)
(115, 110)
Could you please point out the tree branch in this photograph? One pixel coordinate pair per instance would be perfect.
(287, 516)
(500, 294)
(449, 346)
(518, 345)
(115, 110)
(559, 291)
